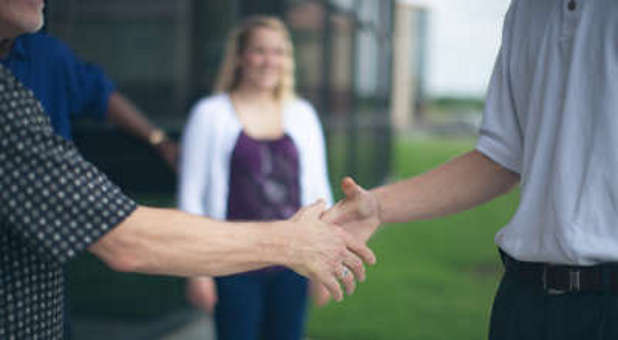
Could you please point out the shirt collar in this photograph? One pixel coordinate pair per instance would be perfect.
(18, 50)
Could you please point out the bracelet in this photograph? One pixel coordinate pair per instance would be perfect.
(156, 137)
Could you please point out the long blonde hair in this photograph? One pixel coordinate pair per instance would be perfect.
(229, 74)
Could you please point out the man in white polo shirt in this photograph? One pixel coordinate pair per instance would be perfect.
(550, 123)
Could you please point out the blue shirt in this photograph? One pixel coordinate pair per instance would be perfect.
(66, 86)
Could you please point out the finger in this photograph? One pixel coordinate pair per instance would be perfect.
(363, 206)
(209, 306)
(203, 294)
(347, 279)
(350, 188)
(212, 301)
(332, 285)
(355, 264)
(319, 293)
(199, 300)
(347, 208)
(359, 248)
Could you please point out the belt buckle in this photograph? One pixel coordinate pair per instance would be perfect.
(574, 282)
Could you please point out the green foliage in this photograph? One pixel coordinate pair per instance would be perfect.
(454, 104)
(434, 279)
(362, 158)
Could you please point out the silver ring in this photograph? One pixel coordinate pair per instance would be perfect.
(345, 271)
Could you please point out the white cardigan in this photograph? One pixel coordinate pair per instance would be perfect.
(208, 142)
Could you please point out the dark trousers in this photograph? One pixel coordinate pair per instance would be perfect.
(268, 304)
(525, 311)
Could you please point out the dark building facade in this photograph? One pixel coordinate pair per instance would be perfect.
(164, 55)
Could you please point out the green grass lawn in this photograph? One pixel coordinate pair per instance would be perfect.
(434, 279)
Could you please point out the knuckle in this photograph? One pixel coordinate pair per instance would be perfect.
(354, 243)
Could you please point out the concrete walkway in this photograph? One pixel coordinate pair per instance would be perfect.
(199, 329)
(191, 326)
(186, 325)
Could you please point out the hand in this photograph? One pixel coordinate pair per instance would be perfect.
(324, 252)
(358, 213)
(319, 293)
(168, 150)
(202, 293)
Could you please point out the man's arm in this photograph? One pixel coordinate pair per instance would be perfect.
(457, 185)
(159, 241)
(124, 114)
(59, 204)
(93, 93)
(460, 184)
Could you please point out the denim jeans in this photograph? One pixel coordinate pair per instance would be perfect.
(267, 304)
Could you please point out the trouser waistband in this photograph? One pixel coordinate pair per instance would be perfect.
(560, 279)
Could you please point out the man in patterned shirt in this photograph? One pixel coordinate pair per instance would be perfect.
(53, 205)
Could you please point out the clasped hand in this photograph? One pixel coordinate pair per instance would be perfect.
(327, 246)
(358, 215)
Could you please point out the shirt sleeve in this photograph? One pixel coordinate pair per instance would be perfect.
(500, 136)
(53, 199)
(88, 86)
(195, 161)
(317, 164)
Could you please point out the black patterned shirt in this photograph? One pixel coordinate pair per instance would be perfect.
(53, 205)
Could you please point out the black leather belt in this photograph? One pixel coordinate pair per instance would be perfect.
(561, 279)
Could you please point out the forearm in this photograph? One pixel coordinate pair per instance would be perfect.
(122, 113)
(169, 242)
(460, 184)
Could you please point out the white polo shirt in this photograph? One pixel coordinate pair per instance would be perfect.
(552, 116)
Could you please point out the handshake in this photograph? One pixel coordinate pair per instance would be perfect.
(327, 246)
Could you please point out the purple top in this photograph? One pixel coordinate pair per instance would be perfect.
(264, 179)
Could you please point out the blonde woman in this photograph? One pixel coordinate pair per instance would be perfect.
(254, 151)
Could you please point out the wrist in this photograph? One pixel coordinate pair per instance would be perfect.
(276, 243)
(375, 193)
